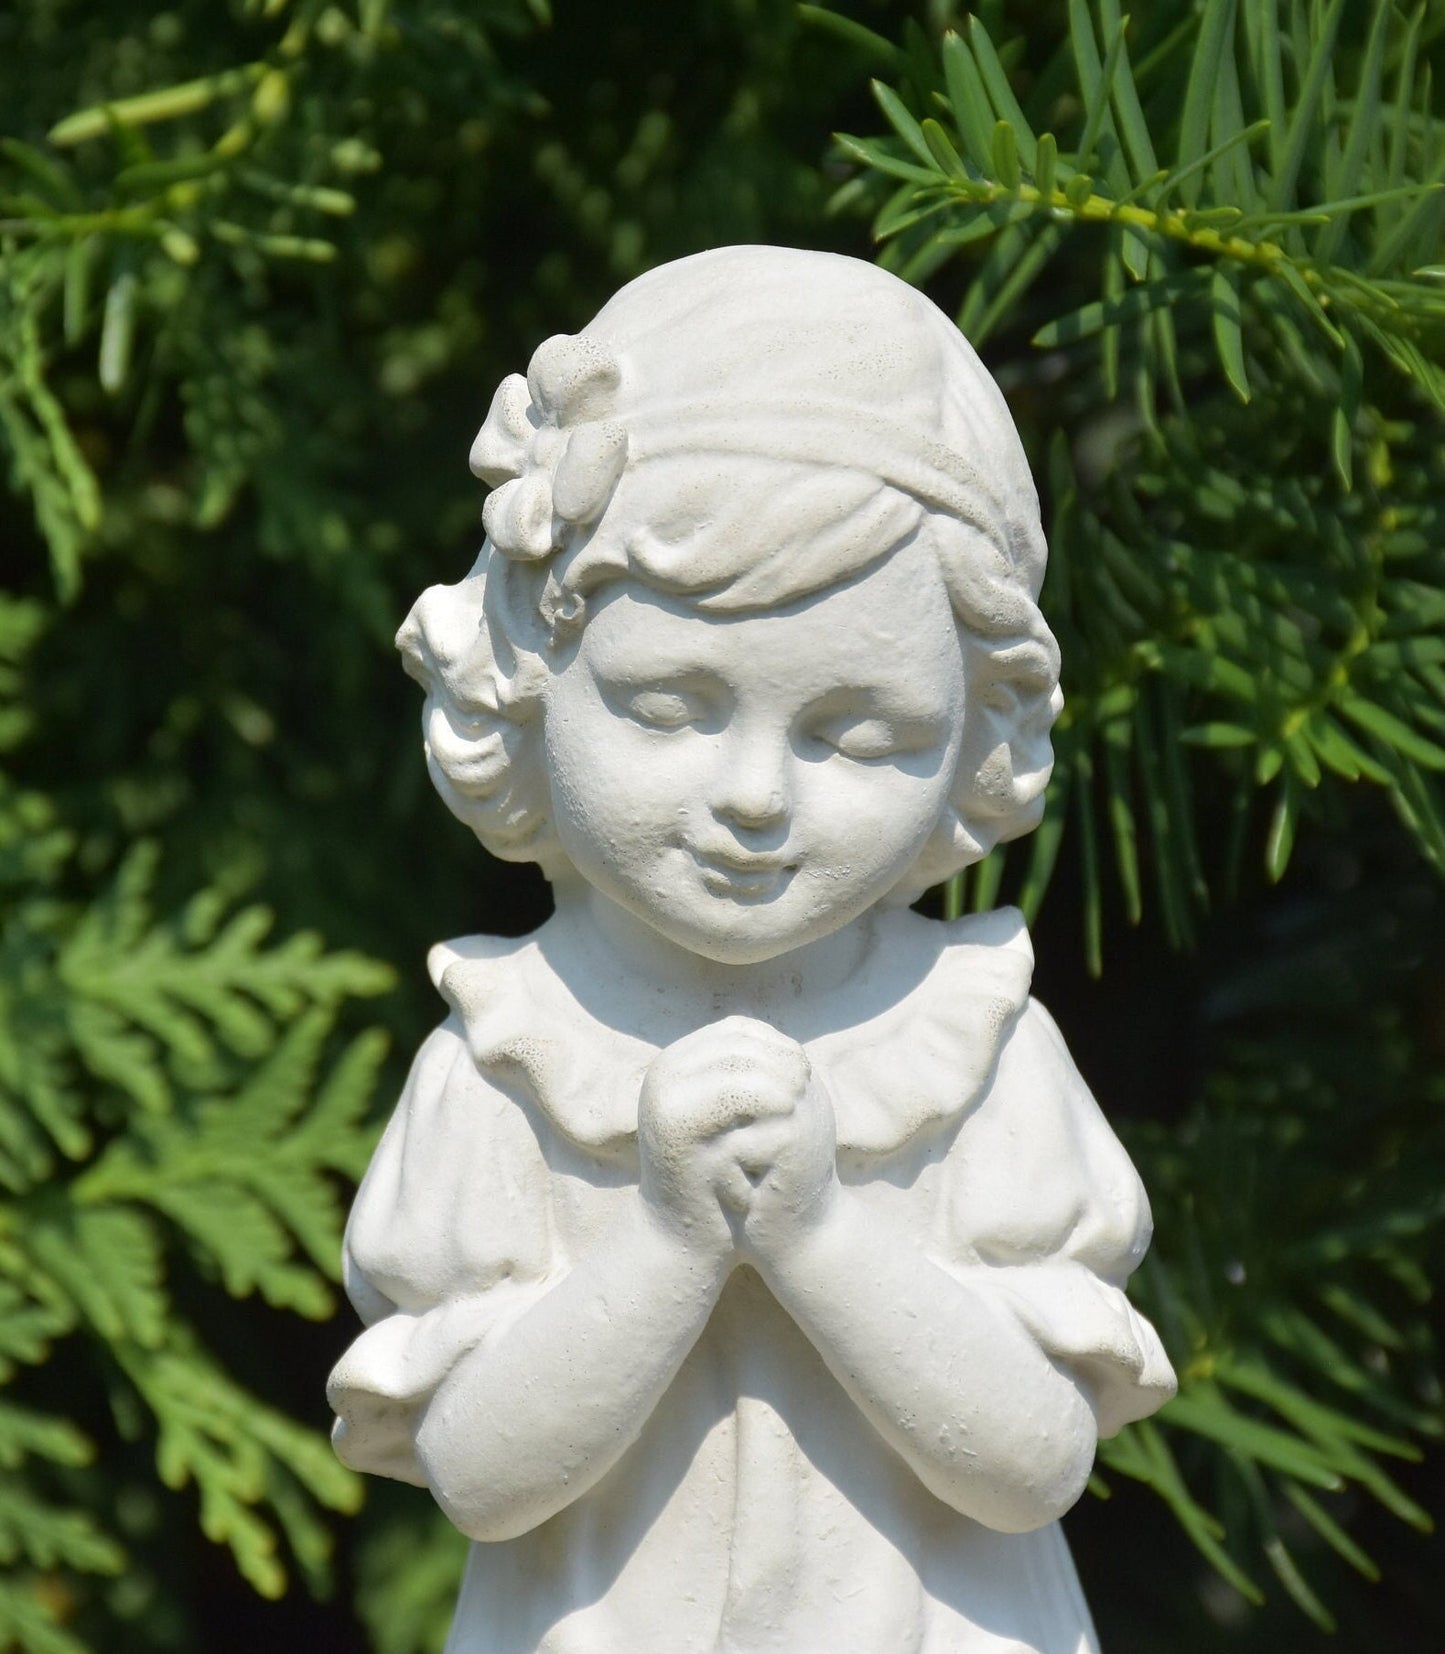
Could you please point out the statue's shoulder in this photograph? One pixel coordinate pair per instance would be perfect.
(482, 953)
(999, 930)
(980, 951)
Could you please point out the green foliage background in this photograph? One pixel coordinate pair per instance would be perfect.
(260, 268)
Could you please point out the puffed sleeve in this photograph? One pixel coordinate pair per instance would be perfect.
(1042, 1206)
(448, 1241)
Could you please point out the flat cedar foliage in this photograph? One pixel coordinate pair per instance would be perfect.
(261, 265)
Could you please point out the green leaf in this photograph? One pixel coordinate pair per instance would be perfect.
(1404, 88)
(1229, 329)
(167, 104)
(1005, 156)
(905, 209)
(1307, 110)
(53, 178)
(853, 34)
(1000, 92)
(1238, 140)
(1216, 37)
(1089, 856)
(1335, 1435)
(1096, 79)
(1046, 164)
(953, 897)
(1279, 843)
(52, 1536)
(1342, 430)
(1044, 848)
(1162, 1472)
(107, 1262)
(1301, 1592)
(1007, 289)
(25, 1433)
(1364, 130)
(943, 152)
(1394, 247)
(1231, 172)
(409, 1568)
(972, 112)
(1330, 1531)
(903, 123)
(1204, 1411)
(28, 1622)
(988, 878)
(1121, 819)
(873, 154)
(1309, 301)
(1262, 32)
(1133, 128)
(117, 331)
(1393, 732)
(1100, 314)
(1217, 735)
(1078, 189)
(1167, 827)
(231, 1446)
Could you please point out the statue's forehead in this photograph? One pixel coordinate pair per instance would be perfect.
(740, 531)
(885, 628)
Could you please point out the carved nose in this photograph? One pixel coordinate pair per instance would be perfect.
(751, 789)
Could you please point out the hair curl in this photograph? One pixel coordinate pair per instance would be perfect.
(915, 424)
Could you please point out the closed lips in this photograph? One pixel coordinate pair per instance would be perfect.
(742, 866)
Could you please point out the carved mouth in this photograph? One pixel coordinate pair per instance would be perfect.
(743, 877)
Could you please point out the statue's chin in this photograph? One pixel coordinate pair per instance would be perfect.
(745, 941)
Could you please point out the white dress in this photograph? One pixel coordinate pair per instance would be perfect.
(757, 1509)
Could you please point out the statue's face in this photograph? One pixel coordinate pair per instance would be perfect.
(747, 783)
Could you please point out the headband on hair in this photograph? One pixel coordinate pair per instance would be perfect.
(555, 444)
(544, 449)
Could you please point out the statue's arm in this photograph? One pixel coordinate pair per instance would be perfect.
(539, 1412)
(532, 1417)
(944, 1372)
(992, 1345)
(505, 1376)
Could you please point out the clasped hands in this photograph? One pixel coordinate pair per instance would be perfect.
(736, 1137)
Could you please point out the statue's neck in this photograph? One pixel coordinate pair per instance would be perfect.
(591, 938)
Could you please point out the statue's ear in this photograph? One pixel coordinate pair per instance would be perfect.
(512, 615)
(1013, 700)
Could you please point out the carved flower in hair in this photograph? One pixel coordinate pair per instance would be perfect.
(548, 448)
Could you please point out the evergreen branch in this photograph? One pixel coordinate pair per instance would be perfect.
(29, 1620)
(1233, 225)
(244, 1176)
(46, 1536)
(1216, 233)
(408, 1573)
(141, 996)
(145, 108)
(248, 1176)
(236, 1450)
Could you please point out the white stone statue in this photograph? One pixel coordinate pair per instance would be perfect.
(743, 1268)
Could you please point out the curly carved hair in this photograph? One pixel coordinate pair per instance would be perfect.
(861, 417)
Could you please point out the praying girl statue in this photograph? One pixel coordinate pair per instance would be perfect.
(744, 1266)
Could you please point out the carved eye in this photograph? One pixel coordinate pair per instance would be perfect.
(863, 739)
(662, 708)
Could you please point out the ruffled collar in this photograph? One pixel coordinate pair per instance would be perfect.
(927, 1011)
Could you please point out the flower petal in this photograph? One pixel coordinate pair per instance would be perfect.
(591, 463)
(500, 450)
(572, 379)
(525, 527)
